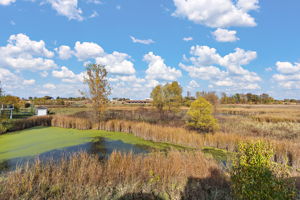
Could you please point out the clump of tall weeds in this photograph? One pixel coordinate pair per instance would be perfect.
(21, 124)
(173, 175)
(249, 127)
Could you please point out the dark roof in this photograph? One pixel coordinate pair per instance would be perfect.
(41, 108)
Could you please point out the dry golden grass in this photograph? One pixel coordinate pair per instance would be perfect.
(31, 122)
(174, 175)
(246, 126)
(278, 117)
(71, 122)
(264, 113)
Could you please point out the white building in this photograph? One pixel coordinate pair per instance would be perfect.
(41, 111)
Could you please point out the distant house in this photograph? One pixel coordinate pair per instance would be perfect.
(41, 111)
(147, 101)
(8, 108)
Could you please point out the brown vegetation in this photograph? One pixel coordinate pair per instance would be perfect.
(172, 176)
(31, 122)
(246, 126)
(287, 112)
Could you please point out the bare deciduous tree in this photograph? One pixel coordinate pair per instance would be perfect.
(99, 89)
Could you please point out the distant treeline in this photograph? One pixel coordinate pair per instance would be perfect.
(238, 98)
(48, 100)
(212, 97)
(57, 98)
(250, 98)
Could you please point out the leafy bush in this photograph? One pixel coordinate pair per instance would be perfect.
(3, 129)
(27, 105)
(200, 116)
(5, 125)
(255, 176)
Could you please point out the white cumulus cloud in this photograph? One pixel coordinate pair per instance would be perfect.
(67, 8)
(287, 67)
(23, 53)
(288, 75)
(157, 69)
(217, 13)
(247, 5)
(6, 2)
(9, 79)
(117, 63)
(87, 50)
(205, 62)
(64, 73)
(64, 52)
(224, 35)
(68, 76)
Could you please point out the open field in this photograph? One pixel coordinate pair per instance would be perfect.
(267, 113)
(266, 121)
(67, 110)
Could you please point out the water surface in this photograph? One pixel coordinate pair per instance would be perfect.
(50, 142)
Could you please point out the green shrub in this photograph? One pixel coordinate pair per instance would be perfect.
(3, 129)
(200, 116)
(5, 124)
(255, 176)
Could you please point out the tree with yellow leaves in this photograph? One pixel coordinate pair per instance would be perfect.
(99, 89)
(200, 116)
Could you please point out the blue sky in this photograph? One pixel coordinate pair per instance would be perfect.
(212, 45)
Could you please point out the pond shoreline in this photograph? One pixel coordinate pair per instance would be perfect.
(40, 140)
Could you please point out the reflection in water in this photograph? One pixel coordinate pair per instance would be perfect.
(99, 145)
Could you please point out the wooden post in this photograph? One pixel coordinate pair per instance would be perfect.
(11, 111)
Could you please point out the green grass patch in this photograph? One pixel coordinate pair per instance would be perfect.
(218, 154)
(68, 110)
(38, 140)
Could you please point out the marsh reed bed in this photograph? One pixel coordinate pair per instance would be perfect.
(175, 175)
(264, 113)
(247, 126)
(286, 150)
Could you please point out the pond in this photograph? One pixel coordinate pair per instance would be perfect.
(51, 142)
